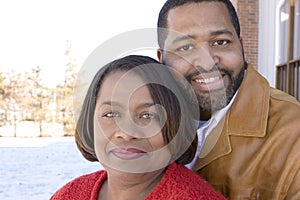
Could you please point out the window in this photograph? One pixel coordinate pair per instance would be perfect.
(297, 30)
(283, 31)
(288, 71)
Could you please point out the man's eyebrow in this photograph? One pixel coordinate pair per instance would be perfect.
(221, 32)
(182, 38)
(213, 33)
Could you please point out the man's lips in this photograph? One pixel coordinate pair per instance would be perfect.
(207, 80)
(211, 81)
(128, 153)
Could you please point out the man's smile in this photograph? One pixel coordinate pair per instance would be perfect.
(209, 81)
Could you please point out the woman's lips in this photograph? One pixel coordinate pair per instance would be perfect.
(128, 153)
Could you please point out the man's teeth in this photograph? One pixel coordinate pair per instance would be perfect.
(207, 80)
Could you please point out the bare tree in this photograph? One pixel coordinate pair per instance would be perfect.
(64, 94)
(2, 102)
(25, 98)
(40, 98)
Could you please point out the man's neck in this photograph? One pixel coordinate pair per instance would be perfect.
(205, 116)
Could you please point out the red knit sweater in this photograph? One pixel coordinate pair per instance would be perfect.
(177, 183)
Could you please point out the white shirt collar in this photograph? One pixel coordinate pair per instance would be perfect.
(205, 127)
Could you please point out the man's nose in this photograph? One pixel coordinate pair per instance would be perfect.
(204, 59)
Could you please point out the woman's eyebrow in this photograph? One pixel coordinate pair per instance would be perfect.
(145, 105)
(110, 103)
(114, 103)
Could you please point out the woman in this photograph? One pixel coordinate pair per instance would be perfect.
(136, 122)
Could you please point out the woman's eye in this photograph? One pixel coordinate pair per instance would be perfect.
(148, 116)
(220, 42)
(112, 114)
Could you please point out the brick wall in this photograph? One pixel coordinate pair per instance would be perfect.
(248, 11)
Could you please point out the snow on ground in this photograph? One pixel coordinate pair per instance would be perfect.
(34, 168)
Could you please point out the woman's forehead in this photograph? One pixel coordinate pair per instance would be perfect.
(122, 86)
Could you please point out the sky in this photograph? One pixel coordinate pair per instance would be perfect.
(37, 33)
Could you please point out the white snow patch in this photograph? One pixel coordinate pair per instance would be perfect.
(34, 168)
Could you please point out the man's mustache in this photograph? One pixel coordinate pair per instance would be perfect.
(203, 71)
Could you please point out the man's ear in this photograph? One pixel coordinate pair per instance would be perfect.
(241, 41)
(159, 55)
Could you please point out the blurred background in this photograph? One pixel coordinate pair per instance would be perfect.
(43, 45)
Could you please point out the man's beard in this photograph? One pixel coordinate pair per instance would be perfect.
(218, 99)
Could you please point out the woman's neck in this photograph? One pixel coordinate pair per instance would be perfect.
(121, 185)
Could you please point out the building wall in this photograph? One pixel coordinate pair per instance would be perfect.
(258, 20)
(248, 12)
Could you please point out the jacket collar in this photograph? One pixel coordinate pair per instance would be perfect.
(249, 113)
(247, 117)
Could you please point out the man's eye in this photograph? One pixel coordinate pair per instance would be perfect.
(186, 47)
(112, 114)
(220, 42)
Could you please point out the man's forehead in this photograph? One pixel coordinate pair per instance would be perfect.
(194, 11)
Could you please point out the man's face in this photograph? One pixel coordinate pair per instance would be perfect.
(203, 46)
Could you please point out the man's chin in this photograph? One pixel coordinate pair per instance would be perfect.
(212, 104)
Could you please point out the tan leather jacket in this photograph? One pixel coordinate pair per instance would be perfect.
(257, 155)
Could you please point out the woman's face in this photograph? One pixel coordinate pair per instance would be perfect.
(127, 127)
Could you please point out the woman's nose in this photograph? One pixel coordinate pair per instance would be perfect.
(127, 131)
(125, 136)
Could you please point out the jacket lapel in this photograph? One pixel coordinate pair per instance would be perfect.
(215, 138)
(247, 118)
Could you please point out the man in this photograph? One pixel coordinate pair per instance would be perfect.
(249, 133)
